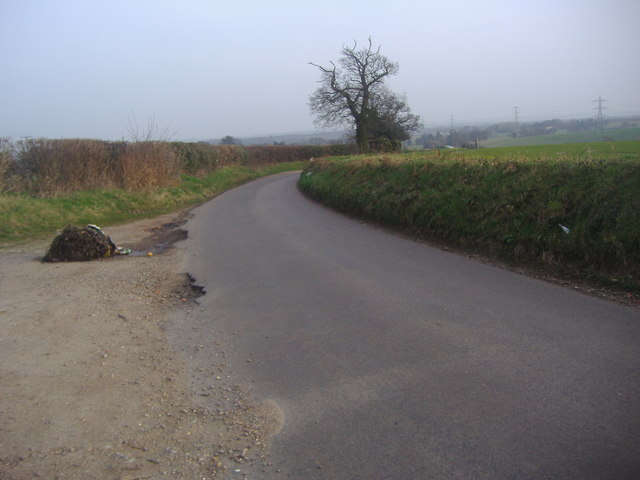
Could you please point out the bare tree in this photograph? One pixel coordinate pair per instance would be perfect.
(354, 94)
(150, 133)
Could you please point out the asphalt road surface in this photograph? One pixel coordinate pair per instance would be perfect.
(390, 359)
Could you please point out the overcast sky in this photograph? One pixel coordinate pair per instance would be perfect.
(204, 69)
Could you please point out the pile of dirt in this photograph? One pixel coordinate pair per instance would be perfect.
(80, 244)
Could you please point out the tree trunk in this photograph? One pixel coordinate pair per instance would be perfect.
(362, 137)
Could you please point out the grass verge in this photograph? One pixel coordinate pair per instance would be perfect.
(509, 204)
(24, 216)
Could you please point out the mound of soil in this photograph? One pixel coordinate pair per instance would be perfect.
(80, 244)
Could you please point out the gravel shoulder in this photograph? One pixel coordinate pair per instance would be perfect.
(107, 373)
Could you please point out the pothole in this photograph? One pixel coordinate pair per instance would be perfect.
(196, 290)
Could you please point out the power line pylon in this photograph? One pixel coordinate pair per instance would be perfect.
(600, 115)
(516, 120)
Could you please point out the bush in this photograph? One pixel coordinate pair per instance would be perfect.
(57, 167)
(47, 167)
(148, 165)
(6, 158)
(196, 158)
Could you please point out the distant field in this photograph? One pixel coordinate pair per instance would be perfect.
(629, 149)
(616, 134)
(570, 209)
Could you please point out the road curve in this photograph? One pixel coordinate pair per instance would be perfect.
(390, 359)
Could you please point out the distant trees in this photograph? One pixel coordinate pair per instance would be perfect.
(582, 125)
(470, 136)
(547, 127)
(229, 140)
(465, 138)
(354, 94)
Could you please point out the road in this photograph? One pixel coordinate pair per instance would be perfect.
(390, 359)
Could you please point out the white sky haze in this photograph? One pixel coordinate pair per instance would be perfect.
(205, 69)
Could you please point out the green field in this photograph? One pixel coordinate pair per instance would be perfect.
(617, 134)
(508, 203)
(583, 151)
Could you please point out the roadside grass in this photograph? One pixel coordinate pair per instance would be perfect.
(504, 203)
(25, 216)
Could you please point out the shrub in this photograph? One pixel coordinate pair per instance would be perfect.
(196, 158)
(148, 165)
(6, 158)
(55, 167)
(47, 167)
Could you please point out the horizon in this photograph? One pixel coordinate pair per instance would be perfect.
(444, 126)
(203, 70)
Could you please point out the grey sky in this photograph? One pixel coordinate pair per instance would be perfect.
(206, 69)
